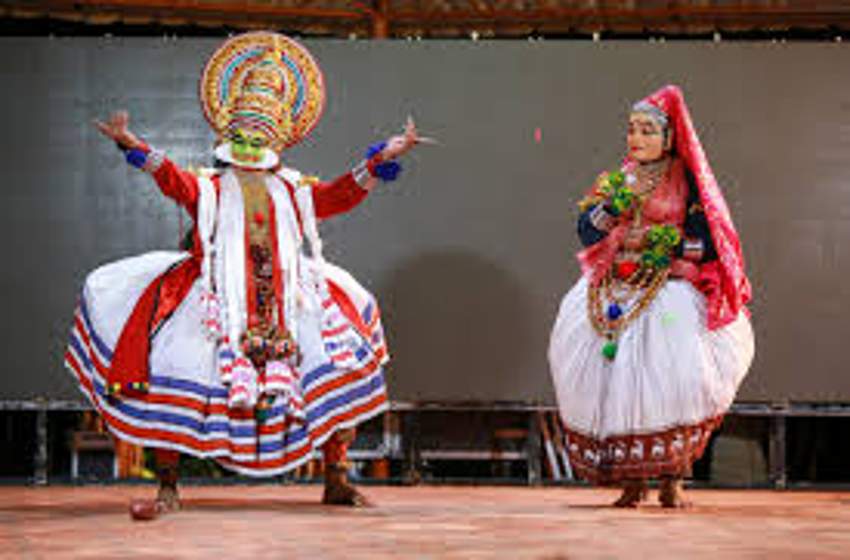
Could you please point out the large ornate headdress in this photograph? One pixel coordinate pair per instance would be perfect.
(724, 282)
(266, 83)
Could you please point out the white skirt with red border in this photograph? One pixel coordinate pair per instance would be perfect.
(650, 411)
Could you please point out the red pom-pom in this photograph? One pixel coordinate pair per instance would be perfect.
(626, 269)
(143, 510)
(259, 217)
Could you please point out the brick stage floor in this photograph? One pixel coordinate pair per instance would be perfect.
(254, 522)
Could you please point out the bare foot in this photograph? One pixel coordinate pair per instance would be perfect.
(344, 495)
(168, 498)
(339, 491)
(634, 492)
(672, 494)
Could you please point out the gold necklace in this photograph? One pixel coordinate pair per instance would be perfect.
(648, 177)
(609, 323)
(650, 174)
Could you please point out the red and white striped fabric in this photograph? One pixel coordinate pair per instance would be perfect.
(189, 409)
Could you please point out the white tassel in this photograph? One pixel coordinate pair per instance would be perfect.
(211, 310)
(210, 304)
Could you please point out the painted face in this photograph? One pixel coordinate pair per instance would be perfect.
(247, 145)
(646, 139)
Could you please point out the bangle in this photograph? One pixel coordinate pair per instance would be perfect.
(602, 219)
(362, 176)
(149, 161)
(154, 160)
(384, 170)
(693, 249)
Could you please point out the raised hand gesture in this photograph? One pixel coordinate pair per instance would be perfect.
(116, 128)
(402, 143)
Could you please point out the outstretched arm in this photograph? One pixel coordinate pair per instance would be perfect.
(173, 181)
(349, 190)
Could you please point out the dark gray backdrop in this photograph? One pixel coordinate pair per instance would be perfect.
(472, 250)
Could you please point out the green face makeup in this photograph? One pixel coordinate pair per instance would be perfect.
(247, 145)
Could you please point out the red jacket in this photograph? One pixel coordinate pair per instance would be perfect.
(129, 370)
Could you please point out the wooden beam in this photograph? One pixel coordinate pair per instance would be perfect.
(445, 19)
(240, 9)
(381, 19)
(609, 16)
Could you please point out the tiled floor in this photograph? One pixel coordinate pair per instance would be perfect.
(254, 522)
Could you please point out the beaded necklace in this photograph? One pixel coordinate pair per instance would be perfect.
(609, 321)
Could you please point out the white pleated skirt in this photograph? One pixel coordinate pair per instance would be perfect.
(186, 407)
(650, 410)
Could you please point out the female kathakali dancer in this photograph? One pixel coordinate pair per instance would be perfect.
(244, 348)
(651, 344)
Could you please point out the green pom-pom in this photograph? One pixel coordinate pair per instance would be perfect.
(666, 236)
(676, 238)
(622, 200)
(616, 178)
(609, 350)
(617, 206)
(653, 235)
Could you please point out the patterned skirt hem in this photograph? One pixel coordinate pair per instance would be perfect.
(611, 460)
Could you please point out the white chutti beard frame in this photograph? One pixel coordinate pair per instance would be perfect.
(225, 154)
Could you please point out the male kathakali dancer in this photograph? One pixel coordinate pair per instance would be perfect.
(246, 348)
(651, 344)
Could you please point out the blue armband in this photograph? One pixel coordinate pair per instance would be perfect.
(136, 157)
(386, 171)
